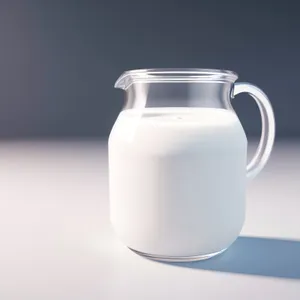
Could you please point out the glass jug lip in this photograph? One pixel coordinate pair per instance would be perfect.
(174, 75)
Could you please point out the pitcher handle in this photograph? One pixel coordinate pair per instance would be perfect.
(266, 142)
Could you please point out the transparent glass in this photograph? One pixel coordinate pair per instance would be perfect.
(177, 162)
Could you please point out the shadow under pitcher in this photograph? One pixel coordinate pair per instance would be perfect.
(178, 162)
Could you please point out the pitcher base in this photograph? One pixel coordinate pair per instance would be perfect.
(177, 258)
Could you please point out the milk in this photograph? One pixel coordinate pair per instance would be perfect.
(177, 180)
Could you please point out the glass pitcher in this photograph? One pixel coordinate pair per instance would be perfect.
(177, 162)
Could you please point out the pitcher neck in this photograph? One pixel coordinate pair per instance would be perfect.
(177, 88)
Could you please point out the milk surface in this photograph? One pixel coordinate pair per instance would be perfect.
(177, 179)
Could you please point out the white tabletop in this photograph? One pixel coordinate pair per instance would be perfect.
(56, 241)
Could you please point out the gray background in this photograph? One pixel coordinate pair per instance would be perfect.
(60, 59)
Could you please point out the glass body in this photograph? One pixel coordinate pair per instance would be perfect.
(177, 162)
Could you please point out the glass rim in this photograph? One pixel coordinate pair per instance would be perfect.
(174, 75)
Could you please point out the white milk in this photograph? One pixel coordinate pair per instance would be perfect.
(177, 179)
